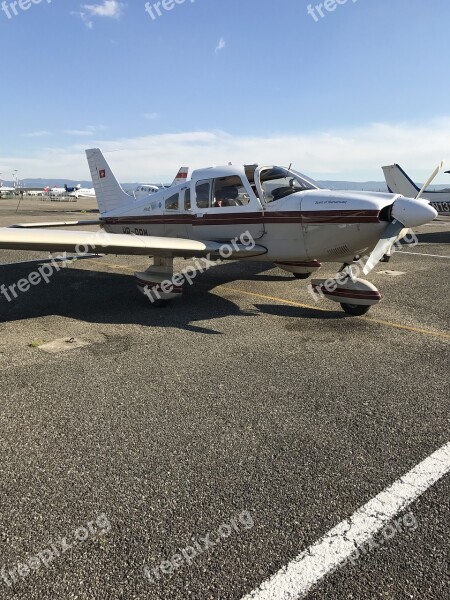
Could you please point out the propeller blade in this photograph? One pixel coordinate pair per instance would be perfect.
(435, 173)
(384, 245)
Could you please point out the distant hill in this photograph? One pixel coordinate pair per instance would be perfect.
(368, 186)
(42, 183)
(371, 186)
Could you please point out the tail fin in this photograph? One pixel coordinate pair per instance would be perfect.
(109, 193)
(181, 176)
(398, 181)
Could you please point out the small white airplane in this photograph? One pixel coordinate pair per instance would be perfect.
(145, 189)
(291, 221)
(75, 192)
(79, 192)
(6, 190)
(399, 182)
(55, 191)
(85, 193)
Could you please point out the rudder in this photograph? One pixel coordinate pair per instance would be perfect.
(398, 181)
(109, 193)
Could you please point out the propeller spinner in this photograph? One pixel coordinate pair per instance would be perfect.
(406, 213)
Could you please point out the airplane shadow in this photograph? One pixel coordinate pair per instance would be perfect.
(436, 237)
(112, 298)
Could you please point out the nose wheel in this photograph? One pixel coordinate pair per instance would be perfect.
(356, 310)
(355, 296)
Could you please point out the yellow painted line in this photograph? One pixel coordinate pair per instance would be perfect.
(273, 299)
(309, 306)
(431, 332)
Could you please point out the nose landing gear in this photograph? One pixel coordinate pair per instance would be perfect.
(355, 295)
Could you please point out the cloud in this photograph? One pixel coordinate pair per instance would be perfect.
(109, 8)
(221, 45)
(86, 20)
(78, 132)
(150, 116)
(95, 128)
(351, 154)
(37, 134)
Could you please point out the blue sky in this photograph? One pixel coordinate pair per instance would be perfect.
(213, 81)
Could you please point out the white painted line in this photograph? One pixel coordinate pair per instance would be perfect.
(421, 254)
(335, 547)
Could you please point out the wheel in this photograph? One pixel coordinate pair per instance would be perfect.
(301, 275)
(356, 310)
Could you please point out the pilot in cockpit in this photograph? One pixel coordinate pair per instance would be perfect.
(227, 196)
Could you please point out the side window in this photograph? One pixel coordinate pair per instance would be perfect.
(229, 191)
(172, 202)
(203, 194)
(187, 199)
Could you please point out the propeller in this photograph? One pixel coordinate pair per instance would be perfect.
(390, 234)
(406, 213)
(430, 180)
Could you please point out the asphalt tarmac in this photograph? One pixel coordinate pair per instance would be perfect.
(215, 440)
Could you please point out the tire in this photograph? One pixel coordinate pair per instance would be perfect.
(356, 310)
(301, 275)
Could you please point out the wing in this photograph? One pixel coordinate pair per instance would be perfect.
(55, 224)
(84, 242)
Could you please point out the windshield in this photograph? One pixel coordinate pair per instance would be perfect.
(278, 182)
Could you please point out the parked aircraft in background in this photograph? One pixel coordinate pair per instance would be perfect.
(55, 191)
(399, 182)
(80, 192)
(146, 189)
(6, 190)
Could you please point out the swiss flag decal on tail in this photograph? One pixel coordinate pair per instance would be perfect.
(102, 173)
(181, 176)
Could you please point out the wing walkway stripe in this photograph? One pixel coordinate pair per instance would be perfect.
(335, 547)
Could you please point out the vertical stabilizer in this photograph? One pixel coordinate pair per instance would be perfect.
(181, 176)
(398, 181)
(108, 191)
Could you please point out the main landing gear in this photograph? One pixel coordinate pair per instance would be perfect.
(159, 283)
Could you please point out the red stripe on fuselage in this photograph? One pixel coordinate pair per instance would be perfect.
(252, 218)
(348, 293)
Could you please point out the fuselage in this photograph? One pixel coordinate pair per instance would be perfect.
(84, 193)
(283, 211)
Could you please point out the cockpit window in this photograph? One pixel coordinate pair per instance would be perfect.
(277, 183)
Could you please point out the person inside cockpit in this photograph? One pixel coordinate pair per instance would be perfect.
(227, 196)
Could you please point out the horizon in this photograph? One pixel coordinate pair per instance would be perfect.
(216, 98)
